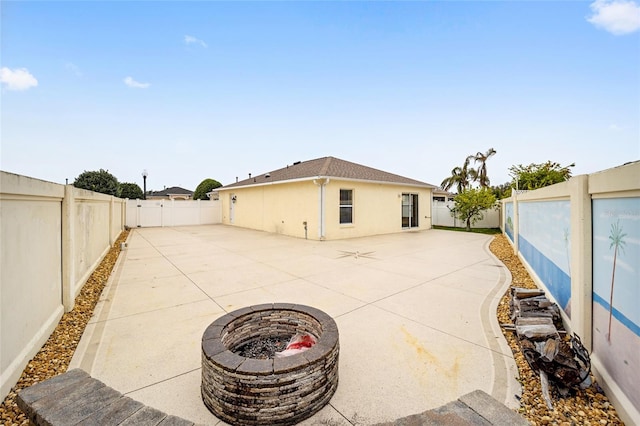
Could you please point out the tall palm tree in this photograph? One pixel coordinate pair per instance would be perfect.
(481, 158)
(617, 241)
(461, 177)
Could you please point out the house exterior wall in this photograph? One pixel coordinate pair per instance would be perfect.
(284, 207)
(377, 209)
(277, 208)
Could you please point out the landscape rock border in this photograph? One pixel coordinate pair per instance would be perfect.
(589, 406)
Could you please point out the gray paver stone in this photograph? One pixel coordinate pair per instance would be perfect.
(492, 410)
(146, 416)
(114, 413)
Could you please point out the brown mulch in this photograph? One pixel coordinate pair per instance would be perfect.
(582, 407)
(56, 354)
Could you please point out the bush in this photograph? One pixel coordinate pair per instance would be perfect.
(471, 203)
(205, 186)
(130, 191)
(98, 181)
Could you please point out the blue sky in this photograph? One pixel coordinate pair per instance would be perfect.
(195, 90)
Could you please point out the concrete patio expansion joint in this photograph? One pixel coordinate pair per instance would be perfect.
(462, 292)
(389, 296)
(162, 381)
(182, 272)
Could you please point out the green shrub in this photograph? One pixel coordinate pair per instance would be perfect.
(98, 181)
(205, 186)
(130, 190)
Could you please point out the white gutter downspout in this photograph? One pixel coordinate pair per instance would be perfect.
(321, 182)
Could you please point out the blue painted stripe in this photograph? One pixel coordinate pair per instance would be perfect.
(554, 278)
(509, 232)
(635, 328)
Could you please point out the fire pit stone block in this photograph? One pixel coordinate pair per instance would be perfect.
(279, 391)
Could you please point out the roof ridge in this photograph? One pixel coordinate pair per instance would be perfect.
(325, 166)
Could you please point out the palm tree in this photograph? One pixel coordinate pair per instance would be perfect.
(617, 241)
(461, 177)
(481, 158)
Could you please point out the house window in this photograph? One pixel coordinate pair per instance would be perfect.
(346, 206)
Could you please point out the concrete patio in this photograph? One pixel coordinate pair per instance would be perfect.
(415, 312)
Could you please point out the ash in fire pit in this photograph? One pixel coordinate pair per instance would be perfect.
(263, 348)
(244, 381)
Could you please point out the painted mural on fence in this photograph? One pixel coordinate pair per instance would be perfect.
(616, 291)
(508, 222)
(544, 240)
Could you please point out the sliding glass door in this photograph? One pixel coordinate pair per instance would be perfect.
(409, 210)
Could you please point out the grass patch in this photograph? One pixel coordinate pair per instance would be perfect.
(488, 231)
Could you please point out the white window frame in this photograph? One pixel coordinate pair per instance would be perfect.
(345, 206)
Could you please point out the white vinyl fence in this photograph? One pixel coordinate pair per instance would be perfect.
(150, 213)
(580, 242)
(441, 216)
(52, 237)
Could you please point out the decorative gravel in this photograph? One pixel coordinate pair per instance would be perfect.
(588, 407)
(56, 354)
(581, 407)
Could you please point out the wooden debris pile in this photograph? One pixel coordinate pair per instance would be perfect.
(563, 361)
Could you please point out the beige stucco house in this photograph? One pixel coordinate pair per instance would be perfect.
(327, 198)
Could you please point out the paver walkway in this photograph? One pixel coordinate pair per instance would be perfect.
(415, 312)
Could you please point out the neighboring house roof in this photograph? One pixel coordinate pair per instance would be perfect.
(330, 167)
(174, 190)
(440, 191)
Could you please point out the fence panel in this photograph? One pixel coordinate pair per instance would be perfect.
(152, 213)
(579, 241)
(442, 216)
(51, 238)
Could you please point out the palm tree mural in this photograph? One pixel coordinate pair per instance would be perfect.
(481, 158)
(461, 177)
(567, 240)
(617, 243)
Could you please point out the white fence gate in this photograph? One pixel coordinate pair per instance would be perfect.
(149, 213)
(441, 216)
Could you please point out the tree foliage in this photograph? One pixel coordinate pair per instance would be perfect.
(463, 177)
(98, 181)
(482, 158)
(536, 176)
(205, 186)
(471, 204)
(130, 190)
(501, 191)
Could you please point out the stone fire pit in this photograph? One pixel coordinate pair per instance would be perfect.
(278, 391)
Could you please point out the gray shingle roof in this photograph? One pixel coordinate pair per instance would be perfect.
(326, 167)
(174, 190)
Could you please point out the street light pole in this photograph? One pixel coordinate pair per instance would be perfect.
(144, 180)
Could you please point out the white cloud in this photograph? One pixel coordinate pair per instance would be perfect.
(73, 68)
(192, 40)
(614, 127)
(129, 81)
(616, 16)
(18, 79)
